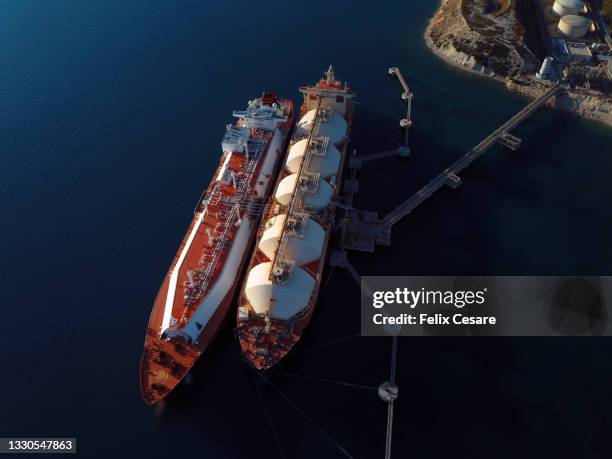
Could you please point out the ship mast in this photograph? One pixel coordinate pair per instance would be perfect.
(330, 74)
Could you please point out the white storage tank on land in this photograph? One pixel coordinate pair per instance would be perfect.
(317, 200)
(334, 126)
(326, 165)
(564, 7)
(574, 26)
(303, 248)
(282, 300)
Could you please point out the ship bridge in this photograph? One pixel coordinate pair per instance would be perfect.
(261, 116)
(332, 93)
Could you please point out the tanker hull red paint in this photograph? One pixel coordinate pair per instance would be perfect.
(199, 289)
(185, 356)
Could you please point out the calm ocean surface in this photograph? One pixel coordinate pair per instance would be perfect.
(111, 114)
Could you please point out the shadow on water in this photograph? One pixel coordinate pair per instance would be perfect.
(110, 126)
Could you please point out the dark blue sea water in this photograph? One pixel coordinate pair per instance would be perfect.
(111, 113)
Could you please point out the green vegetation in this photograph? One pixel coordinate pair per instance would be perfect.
(607, 11)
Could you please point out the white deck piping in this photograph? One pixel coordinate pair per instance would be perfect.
(169, 306)
(174, 277)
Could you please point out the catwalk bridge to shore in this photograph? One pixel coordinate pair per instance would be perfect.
(450, 176)
(362, 230)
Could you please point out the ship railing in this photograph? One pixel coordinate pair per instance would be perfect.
(253, 202)
(234, 205)
(296, 223)
(221, 242)
(296, 204)
(229, 216)
(319, 147)
(255, 208)
(229, 201)
(215, 195)
(329, 217)
(202, 201)
(254, 148)
(310, 181)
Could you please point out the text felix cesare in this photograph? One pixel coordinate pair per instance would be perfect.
(414, 298)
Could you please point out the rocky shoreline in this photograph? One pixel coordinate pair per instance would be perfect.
(495, 48)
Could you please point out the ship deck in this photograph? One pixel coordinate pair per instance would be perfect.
(264, 344)
(197, 264)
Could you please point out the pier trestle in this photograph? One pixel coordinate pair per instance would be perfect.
(363, 230)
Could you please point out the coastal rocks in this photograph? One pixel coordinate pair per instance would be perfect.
(469, 34)
(485, 37)
(584, 104)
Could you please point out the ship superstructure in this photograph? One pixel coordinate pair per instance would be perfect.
(200, 286)
(280, 289)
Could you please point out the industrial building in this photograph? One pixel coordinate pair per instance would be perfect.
(578, 45)
(578, 52)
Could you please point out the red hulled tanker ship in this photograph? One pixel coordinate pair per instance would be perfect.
(280, 289)
(199, 288)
